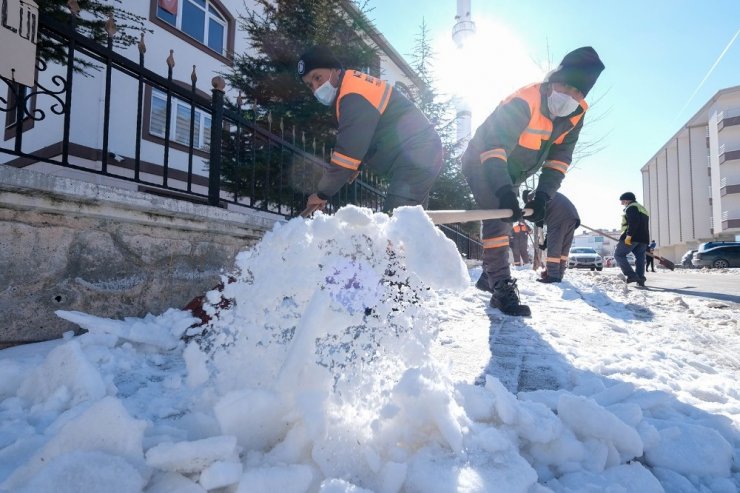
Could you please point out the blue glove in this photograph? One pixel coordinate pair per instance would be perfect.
(507, 199)
(538, 206)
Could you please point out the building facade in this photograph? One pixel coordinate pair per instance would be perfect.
(691, 186)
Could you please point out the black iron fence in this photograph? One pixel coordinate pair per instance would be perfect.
(177, 140)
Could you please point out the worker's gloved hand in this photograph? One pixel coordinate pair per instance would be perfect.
(507, 199)
(313, 204)
(628, 241)
(538, 206)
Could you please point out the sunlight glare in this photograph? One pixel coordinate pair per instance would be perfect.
(492, 64)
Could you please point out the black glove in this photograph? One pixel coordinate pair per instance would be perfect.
(525, 195)
(543, 246)
(538, 206)
(507, 199)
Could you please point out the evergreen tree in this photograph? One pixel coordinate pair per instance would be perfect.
(279, 32)
(451, 190)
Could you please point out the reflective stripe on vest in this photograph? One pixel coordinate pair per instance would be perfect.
(493, 153)
(496, 242)
(377, 92)
(345, 161)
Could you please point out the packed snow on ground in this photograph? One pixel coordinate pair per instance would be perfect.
(351, 353)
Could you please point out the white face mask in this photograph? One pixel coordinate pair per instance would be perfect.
(325, 93)
(561, 104)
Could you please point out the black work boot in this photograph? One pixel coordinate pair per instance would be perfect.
(482, 283)
(506, 298)
(547, 279)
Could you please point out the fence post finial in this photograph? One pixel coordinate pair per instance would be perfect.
(171, 59)
(193, 75)
(218, 83)
(142, 45)
(110, 26)
(73, 7)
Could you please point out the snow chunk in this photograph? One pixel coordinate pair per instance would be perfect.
(255, 417)
(191, 457)
(691, 449)
(86, 472)
(296, 478)
(588, 419)
(220, 474)
(104, 426)
(429, 253)
(66, 367)
(162, 332)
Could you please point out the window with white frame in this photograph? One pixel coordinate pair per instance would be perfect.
(179, 122)
(199, 19)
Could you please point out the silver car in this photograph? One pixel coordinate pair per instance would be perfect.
(584, 258)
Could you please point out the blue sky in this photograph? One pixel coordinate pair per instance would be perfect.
(657, 55)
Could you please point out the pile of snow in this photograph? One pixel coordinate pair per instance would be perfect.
(317, 372)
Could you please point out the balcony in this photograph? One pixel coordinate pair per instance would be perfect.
(729, 152)
(728, 188)
(730, 220)
(728, 118)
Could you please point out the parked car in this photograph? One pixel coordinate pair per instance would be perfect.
(717, 254)
(686, 259)
(584, 258)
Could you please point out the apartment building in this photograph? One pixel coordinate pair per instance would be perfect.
(691, 186)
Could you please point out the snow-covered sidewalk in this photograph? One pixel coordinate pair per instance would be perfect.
(354, 355)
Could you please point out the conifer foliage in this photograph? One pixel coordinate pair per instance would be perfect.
(279, 32)
(451, 190)
(90, 21)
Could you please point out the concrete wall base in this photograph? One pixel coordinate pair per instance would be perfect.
(72, 245)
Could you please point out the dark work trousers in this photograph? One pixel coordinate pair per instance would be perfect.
(620, 255)
(413, 171)
(559, 239)
(519, 248)
(494, 232)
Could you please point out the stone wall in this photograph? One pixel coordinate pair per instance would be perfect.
(71, 245)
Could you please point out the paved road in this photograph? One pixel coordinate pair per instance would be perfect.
(724, 286)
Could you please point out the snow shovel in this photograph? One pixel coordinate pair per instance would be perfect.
(664, 262)
(463, 216)
(451, 216)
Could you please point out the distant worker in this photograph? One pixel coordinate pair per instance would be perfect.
(535, 128)
(650, 261)
(519, 243)
(377, 127)
(561, 221)
(635, 238)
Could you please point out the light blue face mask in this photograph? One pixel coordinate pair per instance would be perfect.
(326, 93)
(561, 104)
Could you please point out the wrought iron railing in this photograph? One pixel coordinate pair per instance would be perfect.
(243, 161)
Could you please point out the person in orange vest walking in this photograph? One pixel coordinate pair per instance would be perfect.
(519, 241)
(377, 127)
(535, 128)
